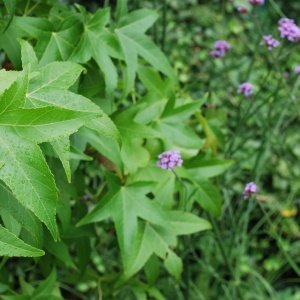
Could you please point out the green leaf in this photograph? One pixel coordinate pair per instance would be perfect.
(62, 148)
(104, 62)
(30, 26)
(209, 198)
(93, 44)
(130, 129)
(178, 135)
(121, 9)
(10, 223)
(186, 223)
(59, 45)
(10, 245)
(184, 111)
(47, 286)
(27, 288)
(131, 59)
(26, 173)
(152, 81)
(125, 207)
(138, 158)
(56, 75)
(24, 169)
(28, 56)
(151, 109)
(174, 265)
(21, 27)
(62, 99)
(135, 43)
(150, 239)
(43, 124)
(105, 127)
(152, 270)
(106, 146)
(30, 224)
(200, 168)
(205, 193)
(146, 48)
(165, 186)
(61, 251)
(13, 97)
(143, 227)
(7, 78)
(10, 7)
(99, 20)
(138, 20)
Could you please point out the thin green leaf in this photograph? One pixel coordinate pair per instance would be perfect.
(10, 245)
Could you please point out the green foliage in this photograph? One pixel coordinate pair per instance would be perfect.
(89, 105)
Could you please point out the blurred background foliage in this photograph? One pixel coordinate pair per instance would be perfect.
(260, 240)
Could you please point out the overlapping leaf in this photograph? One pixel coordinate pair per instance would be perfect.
(143, 226)
(10, 245)
(46, 117)
(134, 43)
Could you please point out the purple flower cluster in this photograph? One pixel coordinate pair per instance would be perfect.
(169, 159)
(297, 69)
(220, 49)
(246, 88)
(289, 29)
(256, 2)
(270, 42)
(250, 190)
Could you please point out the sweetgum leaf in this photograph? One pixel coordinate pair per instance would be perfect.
(13, 97)
(26, 173)
(134, 43)
(44, 124)
(62, 149)
(7, 78)
(10, 205)
(93, 45)
(143, 226)
(56, 75)
(24, 169)
(10, 245)
(28, 56)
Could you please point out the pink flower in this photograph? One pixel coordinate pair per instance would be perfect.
(297, 69)
(246, 88)
(220, 49)
(250, 190)
(289, 30)
(270, 42)
(168, 160)
(256, 2)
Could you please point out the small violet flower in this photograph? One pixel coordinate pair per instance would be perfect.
(249, 190)
(242, 10)
(220, 49)
(256, 2)
(270, 42)
(289, 29)
(246, 88)
(297, 69)
(169, 159)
